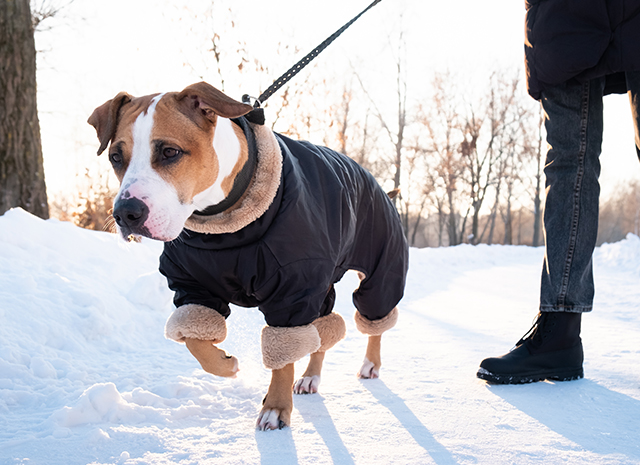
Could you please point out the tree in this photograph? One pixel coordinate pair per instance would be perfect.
(487, 134)
(395, 131)
(21, 168)
(441, 126)
(537, 201)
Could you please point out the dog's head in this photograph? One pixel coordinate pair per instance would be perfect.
(173, 154)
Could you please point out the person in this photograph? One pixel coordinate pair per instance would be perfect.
(575, 53)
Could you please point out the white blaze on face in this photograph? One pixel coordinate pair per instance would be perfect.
(227, 148)
(167, 214)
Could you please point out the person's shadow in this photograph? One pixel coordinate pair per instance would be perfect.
(590, 415)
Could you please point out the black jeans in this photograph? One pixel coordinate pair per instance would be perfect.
(573, 120)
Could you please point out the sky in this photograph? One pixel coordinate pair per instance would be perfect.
(95, 49)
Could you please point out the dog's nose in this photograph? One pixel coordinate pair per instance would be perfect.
(130, 214)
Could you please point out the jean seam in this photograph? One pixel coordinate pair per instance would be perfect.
(576, 194)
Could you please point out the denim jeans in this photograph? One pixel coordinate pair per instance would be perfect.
(574, 122)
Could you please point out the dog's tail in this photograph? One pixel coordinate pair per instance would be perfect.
(394, 193)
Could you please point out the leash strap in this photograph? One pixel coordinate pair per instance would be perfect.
(295, 69)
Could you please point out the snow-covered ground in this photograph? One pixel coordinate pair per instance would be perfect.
(86, 375)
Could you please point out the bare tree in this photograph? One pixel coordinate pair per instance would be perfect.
(537, 201)
(42, 10)
(620, 213)
(487, 132)
(22, 181)
(395, 132)
(441, 122)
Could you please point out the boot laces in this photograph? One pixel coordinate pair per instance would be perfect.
(535, 333)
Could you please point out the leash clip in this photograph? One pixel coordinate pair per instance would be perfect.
(246, 98)
(255, 116)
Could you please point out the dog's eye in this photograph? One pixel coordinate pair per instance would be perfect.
(115, 158)
(169, 153)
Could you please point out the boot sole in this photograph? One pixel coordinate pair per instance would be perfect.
(564, 375)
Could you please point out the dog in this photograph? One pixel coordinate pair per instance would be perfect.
(253, 218)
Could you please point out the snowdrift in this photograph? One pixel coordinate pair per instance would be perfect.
(86, 375)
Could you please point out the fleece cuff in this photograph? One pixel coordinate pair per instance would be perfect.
(196, 322)
(331, 329)
(282, 346)
(376, 327)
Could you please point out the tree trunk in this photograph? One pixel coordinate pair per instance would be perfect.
(452, 227)
(508, 222)
(21, 169)
(537, 203)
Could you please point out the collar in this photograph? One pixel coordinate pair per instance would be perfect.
(244, 177)
(258, 196)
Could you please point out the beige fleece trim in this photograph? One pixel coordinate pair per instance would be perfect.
(196, 322)
(282, 346)
(259, 196)
(331, 329)
(376, 327)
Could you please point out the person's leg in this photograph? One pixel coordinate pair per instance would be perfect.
(552, 348)
(574, 135)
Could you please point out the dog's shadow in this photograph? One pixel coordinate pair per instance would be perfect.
(282, 448)
(411, 423)
(323, 424)
(276, 447)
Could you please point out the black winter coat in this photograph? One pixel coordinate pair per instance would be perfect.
(329, 215)
(581, 39)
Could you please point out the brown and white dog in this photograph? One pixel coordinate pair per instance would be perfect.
(178, 153)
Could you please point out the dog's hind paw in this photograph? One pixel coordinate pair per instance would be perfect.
(368, 370)
(307, 385)
(270, 419)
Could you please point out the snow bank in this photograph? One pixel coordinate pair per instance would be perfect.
(86, 375)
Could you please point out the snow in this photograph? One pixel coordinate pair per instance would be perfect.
(87, 377)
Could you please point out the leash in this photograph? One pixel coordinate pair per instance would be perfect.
(257, 114)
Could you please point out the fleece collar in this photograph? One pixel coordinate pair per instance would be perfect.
(258, 196)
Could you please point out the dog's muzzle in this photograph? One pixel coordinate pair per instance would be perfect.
(130, 215)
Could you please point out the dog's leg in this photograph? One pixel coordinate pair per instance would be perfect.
(374, 329)
(213, 360)
(278, 404)
(310, 380)
(372, 362)
(331, 329)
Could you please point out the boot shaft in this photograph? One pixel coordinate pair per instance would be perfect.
(553, 331)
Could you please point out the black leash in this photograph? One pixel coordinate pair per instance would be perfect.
(257, 113)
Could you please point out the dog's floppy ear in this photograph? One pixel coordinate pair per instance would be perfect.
(205, 100)
(105, 119)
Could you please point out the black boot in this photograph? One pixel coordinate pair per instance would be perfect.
(551, 349)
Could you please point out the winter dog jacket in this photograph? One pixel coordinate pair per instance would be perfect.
(328, 216)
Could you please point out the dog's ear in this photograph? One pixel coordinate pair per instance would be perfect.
(205, 100)
(105, 119)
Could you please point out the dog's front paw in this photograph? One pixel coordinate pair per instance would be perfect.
(212, 359)
(270, 419)
(307, 385)
(368, 370)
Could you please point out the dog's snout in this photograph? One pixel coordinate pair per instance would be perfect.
(130, 214)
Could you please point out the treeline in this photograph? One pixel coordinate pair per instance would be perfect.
(469, 168)
(467, 153)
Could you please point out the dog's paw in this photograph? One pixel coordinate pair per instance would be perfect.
(270, 419)
(368, 370)
(212, 359)
(307, 385)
